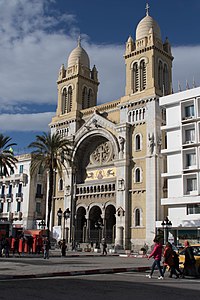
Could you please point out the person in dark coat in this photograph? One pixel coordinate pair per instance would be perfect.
(176, 263)
(16, 246)
(63, 248)
(46, 247)
(189, 264)
(104, 244)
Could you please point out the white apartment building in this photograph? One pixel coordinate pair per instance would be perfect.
(22, 198)
(182, 170)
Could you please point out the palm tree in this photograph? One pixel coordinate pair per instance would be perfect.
(50, 153)
(7, 158)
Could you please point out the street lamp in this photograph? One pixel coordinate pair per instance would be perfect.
(98, 225)
(166, 224)
(66, 216)
(59, 214)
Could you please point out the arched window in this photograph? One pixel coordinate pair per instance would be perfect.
(160, 75)
(135, 78)
(138, 175)
(137, 217)
(166, 80)
(61, 184)
(138, 142)
(84, 97)
(63, 104)
(143, 79)
(69, 99)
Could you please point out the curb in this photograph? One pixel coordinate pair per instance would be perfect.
(76, 273)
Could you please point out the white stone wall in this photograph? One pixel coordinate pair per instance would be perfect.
(177, 200)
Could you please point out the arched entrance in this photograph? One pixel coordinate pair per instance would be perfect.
(96, 225)
(95, 186)
(81, 234)
(110, 223)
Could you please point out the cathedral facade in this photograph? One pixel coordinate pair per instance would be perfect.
(113, 187)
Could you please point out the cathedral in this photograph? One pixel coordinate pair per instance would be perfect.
(113, 186)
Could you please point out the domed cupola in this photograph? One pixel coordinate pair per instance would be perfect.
(78, 55)
(146, 26)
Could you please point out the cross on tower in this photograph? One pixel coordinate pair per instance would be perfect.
(147, 9)
(79, 41)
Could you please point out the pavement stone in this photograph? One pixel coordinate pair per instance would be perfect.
(75, 263)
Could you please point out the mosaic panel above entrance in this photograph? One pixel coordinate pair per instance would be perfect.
(101, 174)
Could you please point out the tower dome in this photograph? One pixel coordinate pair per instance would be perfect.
(78, 54)
(146, 25)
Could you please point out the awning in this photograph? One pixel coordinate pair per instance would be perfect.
(41, 232)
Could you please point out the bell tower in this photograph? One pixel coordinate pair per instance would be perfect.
(77, 84)
(148, 61)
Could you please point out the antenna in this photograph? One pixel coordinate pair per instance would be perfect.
(187, 85)
(193, 83)
(179, 86)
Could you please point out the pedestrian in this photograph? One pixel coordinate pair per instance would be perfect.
(156, 254)
(16, 246)
(46, 247)
(168, 260)
(30, 244)
(63, 248)
(176, 263)
(189, 264)
(104, 244)
(6, 247)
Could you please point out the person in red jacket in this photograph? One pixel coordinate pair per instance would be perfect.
(156, 254)
(168, 260)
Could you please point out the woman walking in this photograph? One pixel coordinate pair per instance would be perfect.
(156, 254)
(168, 260)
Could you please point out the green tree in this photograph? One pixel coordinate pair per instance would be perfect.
(51, 152)
(7, 158)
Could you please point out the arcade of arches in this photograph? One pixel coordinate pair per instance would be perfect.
(95, 227)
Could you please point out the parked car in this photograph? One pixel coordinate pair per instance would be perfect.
(196, 251)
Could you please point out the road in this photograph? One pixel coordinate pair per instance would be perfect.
(101, 287)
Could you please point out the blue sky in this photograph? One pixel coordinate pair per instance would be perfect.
(37, 36)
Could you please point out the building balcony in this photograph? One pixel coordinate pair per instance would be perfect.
(2, 197)
(38, 195)
(6, 216)
(19, 196)
(17, 215)
(9, 197)
(14, 178)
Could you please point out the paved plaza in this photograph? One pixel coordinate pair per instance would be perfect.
(75, 263)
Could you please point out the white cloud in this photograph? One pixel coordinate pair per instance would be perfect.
(25, 122)
(186, 66)
(32, 50)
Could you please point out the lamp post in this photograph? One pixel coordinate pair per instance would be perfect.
(98, 225)
(66, 216)
(166, 224)
(59, 215)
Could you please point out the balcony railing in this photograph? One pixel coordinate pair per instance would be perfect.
(6, 216)
(9, 196)
(14, 178)
(17, 215)
(19, 196)
(2, 197)
(37, 195)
